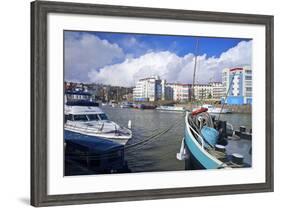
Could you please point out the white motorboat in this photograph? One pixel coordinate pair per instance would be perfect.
(214, 110)
(171, 108)
(92, 121)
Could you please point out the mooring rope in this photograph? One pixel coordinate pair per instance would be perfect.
(153, 136)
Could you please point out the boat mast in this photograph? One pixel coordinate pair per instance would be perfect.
(194, 71)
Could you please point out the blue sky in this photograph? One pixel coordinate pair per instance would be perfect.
(110, 52)
(180, 45)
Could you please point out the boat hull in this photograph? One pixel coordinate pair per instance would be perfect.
(118, 139)
(199, 157)
(192, 163)
(92, 155)
(218, 111)
(171, 109)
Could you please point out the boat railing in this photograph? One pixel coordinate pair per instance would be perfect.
(230, 125)
(195, 132)
(97, 130)
(87, 128)
(200, 137)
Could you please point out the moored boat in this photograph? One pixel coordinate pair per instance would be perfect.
(92, 121)
(144, 106)
(87, 155)
(204, 145)
(171, 108)
(83, 116)
(215, 110)
(126, 105)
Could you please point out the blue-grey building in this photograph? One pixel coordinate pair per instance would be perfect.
(238, 83)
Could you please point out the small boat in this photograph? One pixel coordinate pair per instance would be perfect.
(204, 145)
(112, 103)
(171, 108)
(214, 110)
(90, 120)
(145, 106)
(126, 105)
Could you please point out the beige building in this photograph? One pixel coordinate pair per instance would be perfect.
(177, 92)
(218, 90)
(202, 91)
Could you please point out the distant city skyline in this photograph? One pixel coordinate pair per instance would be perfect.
(119, 59)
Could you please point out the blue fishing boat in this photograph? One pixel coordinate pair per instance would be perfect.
(205, 144)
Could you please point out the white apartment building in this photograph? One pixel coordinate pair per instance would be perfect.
(149, 89)
(153, 89)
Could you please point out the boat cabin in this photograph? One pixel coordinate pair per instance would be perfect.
(84, 113)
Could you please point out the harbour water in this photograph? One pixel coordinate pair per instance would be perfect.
(159, 153)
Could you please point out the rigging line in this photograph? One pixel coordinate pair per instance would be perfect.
(226, 95)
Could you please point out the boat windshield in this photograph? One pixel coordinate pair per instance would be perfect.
(90, 117)
(93, 117)
(80, 118)
(103, 116)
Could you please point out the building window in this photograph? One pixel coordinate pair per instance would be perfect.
(248, 77)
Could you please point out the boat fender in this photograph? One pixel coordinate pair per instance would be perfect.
(220, 148)
(200, 110)
(237, 158)
(183, 154)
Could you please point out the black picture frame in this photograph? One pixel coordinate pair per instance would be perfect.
(39, 98)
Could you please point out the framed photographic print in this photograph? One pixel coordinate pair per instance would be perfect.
(131, 103)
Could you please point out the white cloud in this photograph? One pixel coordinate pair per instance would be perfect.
(88, 53)
(172, 67)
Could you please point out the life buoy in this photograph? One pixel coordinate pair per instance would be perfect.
(200, 110)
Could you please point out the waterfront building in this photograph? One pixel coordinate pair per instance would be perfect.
(238, 81)
(178, 92)
(149, 89)
(218, 90)
(202, 91)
